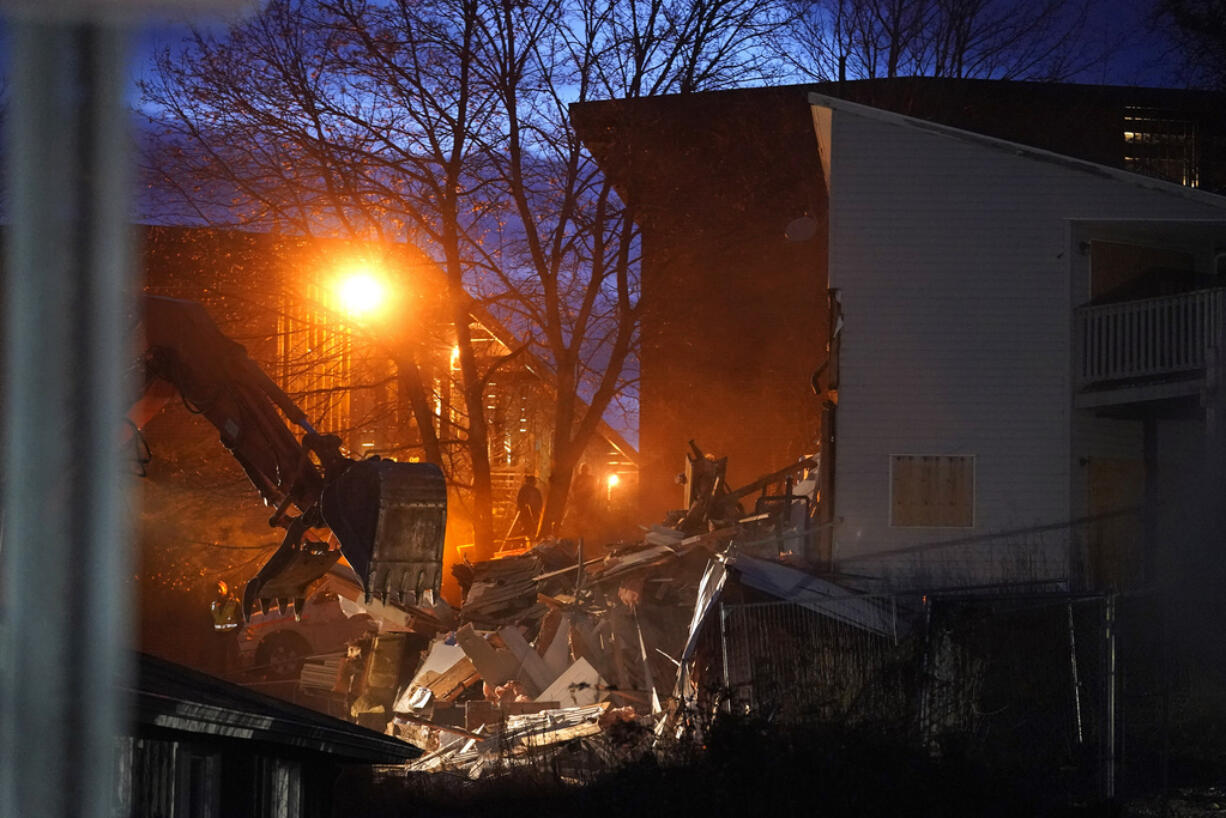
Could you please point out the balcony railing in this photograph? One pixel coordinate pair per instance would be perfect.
(1152, 338)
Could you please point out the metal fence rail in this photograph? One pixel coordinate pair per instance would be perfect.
(1022, 683)
(791, 662)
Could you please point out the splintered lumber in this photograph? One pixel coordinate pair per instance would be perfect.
(567, 570)
(552, 726)
(774, 477)
(479, 712)
(713, 541)
(662, 535)
(624, 563)
(446, 672)
(501, 589)
(454, 681)
(440, 658)
(321, 672)
(442, 728)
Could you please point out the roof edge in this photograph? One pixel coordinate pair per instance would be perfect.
(1018, 149)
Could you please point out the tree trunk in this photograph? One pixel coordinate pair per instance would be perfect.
(565, 453)
(483, 490)
(419, 402)
(474, 402)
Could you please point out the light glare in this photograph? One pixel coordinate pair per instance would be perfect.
(361, 293)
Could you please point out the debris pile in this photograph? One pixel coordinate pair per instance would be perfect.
(552, 647)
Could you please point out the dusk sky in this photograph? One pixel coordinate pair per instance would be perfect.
(1137, 53)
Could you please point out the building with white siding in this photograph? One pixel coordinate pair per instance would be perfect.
(979, 400)
(1009, 346)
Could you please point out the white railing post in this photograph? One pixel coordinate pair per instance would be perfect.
(1147, 338)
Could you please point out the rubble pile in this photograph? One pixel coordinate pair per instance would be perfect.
(540, 655)
(553, 647)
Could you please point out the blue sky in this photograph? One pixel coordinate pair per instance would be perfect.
(1122, 26)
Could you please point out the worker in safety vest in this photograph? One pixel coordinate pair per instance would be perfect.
(225, 609)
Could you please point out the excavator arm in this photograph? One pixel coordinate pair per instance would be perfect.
(387, 517)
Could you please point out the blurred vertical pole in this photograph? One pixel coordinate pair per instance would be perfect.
(65, 620)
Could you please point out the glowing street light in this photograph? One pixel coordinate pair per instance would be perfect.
(613, 481)
(361, 293)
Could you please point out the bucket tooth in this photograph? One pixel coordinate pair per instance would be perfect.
(403, 592)
(286, 576)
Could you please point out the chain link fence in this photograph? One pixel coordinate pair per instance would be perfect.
(1071, 690)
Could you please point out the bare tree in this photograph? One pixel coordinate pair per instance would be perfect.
(1198, 30)
(444, 123)
(986, 39)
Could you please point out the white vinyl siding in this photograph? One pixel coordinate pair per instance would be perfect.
(951, 257)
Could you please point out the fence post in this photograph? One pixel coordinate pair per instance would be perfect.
(1072, 653)
(723, 643)
(1109, 624)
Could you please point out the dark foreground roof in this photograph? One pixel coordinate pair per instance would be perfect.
(170, 697)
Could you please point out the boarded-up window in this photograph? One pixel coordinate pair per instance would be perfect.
(932, 490)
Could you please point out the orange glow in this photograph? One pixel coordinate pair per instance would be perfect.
(614, 480)
(361, 293)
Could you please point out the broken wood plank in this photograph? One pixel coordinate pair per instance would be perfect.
(554, 726)
(567, 570)
(443, 728)
(448, 686)
(481, 711)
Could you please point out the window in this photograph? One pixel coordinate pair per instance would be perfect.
(1160, 143)
(932, 490)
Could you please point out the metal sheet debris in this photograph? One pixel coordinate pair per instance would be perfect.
(552, 647)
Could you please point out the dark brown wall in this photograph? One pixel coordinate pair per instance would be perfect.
(734, 322)
(735, 316)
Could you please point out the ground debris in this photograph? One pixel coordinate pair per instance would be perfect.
(573, 649)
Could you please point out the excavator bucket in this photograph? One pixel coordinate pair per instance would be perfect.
(284, 579)
(390, 520)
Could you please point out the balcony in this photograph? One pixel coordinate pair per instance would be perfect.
(1152, 349)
